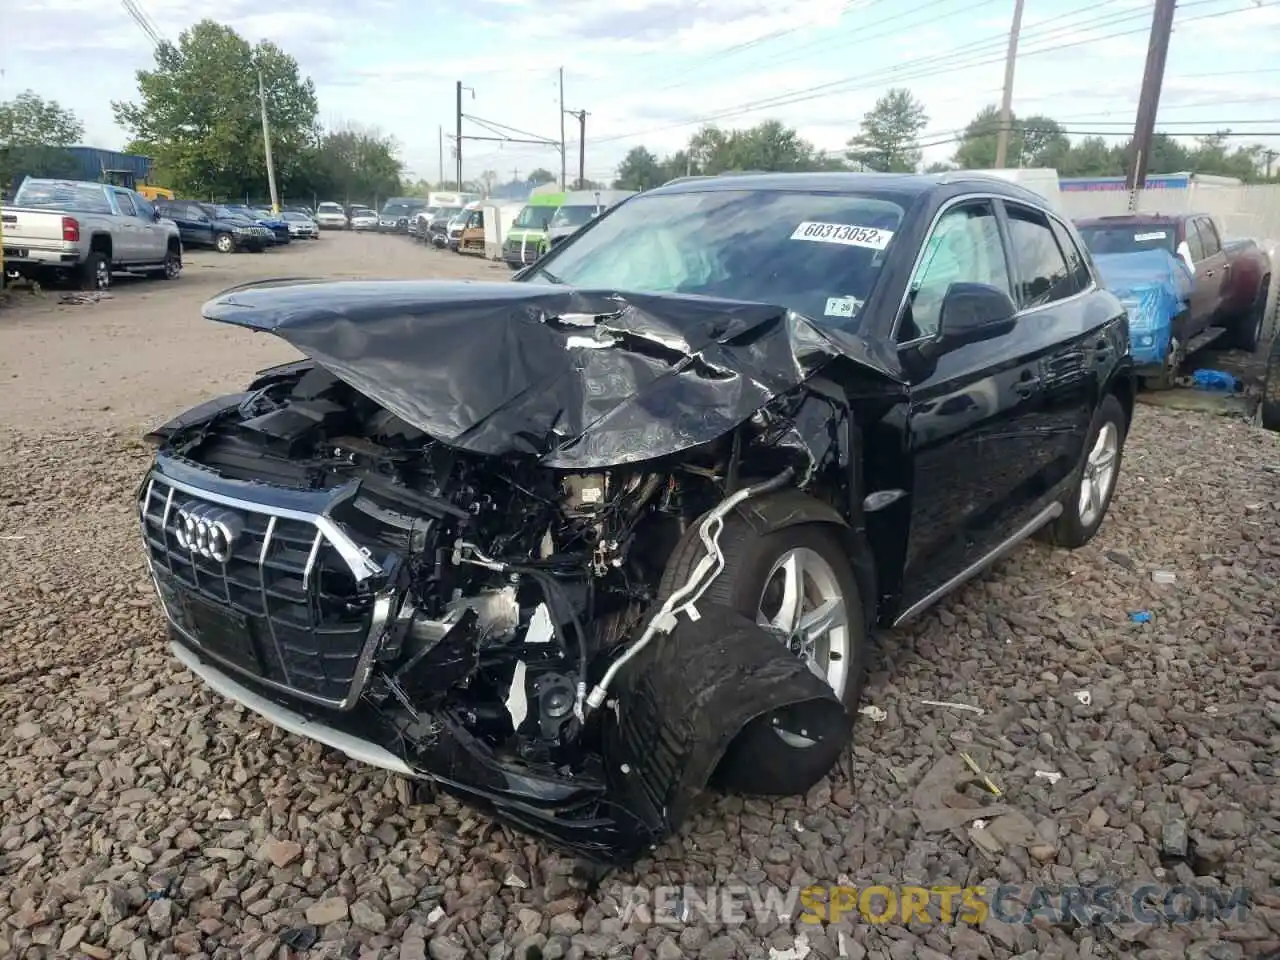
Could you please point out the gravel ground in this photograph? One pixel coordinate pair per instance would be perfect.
(144, 817)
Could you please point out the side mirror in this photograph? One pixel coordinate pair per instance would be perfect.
(972, 313)
(157, 216)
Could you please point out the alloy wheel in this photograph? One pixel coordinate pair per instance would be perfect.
(804, 605)
(1099, 474)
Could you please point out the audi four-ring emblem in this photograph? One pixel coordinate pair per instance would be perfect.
(207, 530)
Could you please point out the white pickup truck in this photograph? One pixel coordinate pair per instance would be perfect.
(85, 231)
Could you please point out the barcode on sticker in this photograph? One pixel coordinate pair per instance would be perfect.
(847, 234)
(1159, 235)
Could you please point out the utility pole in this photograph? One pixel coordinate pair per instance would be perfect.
(440, 129)
(563, 185)
(266, 142)
(459, 141)
(1006, 103)
(1270, 156)
(581, 117)
(1149, 101)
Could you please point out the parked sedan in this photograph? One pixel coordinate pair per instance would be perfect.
(364, 220)
(642, 548)
(301, 226)
(331, 216)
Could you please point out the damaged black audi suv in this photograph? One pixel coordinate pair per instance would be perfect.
(581, 546)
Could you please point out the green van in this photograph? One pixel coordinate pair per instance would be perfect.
(527, 240)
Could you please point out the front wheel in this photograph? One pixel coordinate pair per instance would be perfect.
(1086, 504)
(225, 243)
(796, 583)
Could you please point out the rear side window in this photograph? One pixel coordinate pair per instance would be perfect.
(1076, 262)
(1042, 272)
(1208, 236)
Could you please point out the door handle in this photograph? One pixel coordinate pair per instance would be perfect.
(1026, 386)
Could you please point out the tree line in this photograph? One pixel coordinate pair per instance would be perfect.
(198, 116)
(891, 139)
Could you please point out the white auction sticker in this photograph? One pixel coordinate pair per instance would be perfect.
(841, 307)
(1161, 235)
(847, 234)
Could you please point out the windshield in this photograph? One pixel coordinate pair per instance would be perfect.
(447, 213)
(329, 208)
(399, 209)
(228, 213)
(1129, 238)
(818, 254)
(573, 216)
(63, 195)
(534, 217)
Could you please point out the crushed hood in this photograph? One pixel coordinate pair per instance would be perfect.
(581, 379)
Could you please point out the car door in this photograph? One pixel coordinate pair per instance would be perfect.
(1205, 296)
(197, 226)
(1058, 334)
(154, 236)
(1216, 267)
(127, 243)
(964, 444)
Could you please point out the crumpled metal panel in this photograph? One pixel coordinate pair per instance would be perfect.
(580, 379)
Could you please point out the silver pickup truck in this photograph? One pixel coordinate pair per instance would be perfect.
(85, 231)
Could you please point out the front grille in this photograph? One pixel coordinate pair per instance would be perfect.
(285, 607)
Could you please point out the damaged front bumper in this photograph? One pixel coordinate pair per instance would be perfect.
(675, 713)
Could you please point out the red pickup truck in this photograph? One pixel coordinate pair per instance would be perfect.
(1232, 277)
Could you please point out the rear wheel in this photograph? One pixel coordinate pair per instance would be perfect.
(1246, 330)
(95, 273)
(1086, 504)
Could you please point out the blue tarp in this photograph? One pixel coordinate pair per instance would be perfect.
(1155, 286)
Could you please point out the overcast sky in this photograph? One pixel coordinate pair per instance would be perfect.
(648, 71)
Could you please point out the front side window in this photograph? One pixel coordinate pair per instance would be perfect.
(1043, 275)
(145, 210)
(964, 247)
(1195, 242)
(125, 203)
(818, 254)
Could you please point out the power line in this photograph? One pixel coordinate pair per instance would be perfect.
(938, 64)
(144, 22)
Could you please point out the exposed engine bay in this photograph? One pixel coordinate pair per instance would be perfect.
(518, 632)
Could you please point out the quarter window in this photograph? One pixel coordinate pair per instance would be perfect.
(964, 247)
(1043, 275)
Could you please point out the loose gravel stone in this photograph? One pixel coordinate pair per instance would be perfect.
(147, 817)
